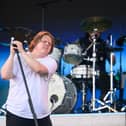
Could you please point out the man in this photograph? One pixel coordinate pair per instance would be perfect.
(38, 69)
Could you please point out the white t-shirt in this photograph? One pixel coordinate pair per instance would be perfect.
(17, 101)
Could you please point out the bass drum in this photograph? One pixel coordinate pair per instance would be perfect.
(62, 94)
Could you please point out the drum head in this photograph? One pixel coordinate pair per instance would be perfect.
(72, 59)
(62, 94)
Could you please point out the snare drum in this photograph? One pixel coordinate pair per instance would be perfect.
(62, 94)
(72, 54)
(82, 71)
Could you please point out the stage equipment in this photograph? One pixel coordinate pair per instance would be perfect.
(62, 94)
(72, 54)
(95, 23)
(111, 92)
(56, 54)
(94, 100)
(82, 71)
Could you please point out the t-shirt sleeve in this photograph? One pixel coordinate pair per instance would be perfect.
(50, 64)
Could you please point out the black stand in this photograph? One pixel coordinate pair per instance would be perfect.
(29, 97)
(85, 105)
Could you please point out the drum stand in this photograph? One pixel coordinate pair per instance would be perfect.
(94, 100)
(84, 106)
(110, 93)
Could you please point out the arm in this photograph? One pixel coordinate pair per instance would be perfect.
(34, 64)
(7, 68)
(31, 61)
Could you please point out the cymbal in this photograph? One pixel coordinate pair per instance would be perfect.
(95, 24)
(120, 41)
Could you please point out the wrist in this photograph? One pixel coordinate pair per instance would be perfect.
(12, 55)
(22, 52)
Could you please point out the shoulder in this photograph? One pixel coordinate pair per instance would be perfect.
(47, 59)
(49, 62)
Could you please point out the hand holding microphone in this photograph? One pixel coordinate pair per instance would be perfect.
(16, 45)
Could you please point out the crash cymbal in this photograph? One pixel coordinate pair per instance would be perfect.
(95, 24)
(120, 41)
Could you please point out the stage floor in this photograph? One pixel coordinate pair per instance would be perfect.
(88, 119)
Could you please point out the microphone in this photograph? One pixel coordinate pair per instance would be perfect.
(12, 42)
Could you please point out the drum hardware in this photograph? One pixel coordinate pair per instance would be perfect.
(72, 54)
(84, 106)
(85, 52)
(111, 92)
(94, 100)
(62, 94)
(95, 24)
(56, 54)
(83, 72)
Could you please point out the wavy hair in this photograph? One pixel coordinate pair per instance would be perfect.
(38, 36)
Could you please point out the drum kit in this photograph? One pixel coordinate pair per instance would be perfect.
(63, 96)
(62, 91)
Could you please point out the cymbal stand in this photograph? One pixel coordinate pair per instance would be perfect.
(94, 100)
(84, 85)
(83, 96)
(111, 92)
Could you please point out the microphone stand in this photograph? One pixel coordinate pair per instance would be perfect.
(26, 86)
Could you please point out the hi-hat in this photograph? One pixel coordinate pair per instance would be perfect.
(96, 24)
